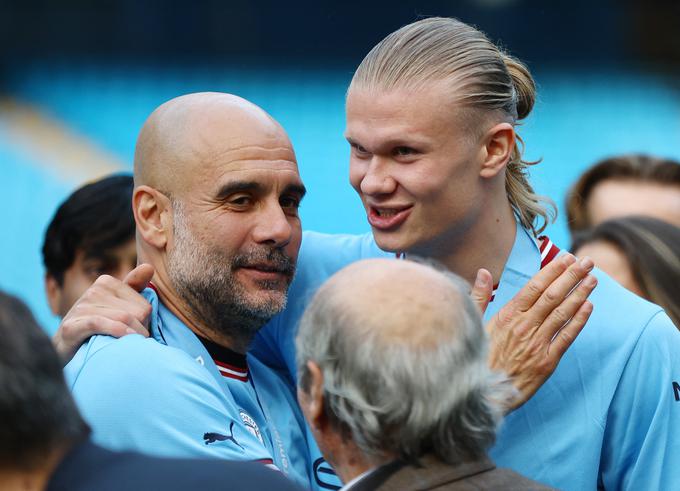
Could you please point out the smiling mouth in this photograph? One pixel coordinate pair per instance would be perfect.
(383, 218)
(268, 270)
(385, 212)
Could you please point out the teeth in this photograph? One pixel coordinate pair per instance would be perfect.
(386, 213)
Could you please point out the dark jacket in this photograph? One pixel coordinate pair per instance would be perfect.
(90, 467)
(436, 475)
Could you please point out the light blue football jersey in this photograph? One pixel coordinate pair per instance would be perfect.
(166, 396)
(608, 417)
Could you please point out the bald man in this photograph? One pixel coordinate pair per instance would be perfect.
(216, 208)
(400, 397)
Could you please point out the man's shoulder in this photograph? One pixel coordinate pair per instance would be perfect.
(322, 255)
(502, 479)
(317, 245)
(436, 475)
(134, 357)
(619, 314)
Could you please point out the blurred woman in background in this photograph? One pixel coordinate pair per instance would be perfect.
(642, 254)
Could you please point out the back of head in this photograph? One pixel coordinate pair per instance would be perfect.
(95, 218)
(479, 76)
(38, 413)
(652, 248)
(632, 168)
(403, 355)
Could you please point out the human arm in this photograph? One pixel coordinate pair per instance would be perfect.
(529, 334)
(110, 307)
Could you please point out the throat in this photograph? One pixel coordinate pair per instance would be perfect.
(484, 245)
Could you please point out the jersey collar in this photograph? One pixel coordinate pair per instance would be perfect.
(229, 363)
(167, 329)
(527, 257)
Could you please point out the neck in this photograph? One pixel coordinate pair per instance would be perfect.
(349, 462)
(35, 479)
(181, 309)
(486, 243)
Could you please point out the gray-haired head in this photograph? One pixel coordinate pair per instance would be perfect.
(402, 351)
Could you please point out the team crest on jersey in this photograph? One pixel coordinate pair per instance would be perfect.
(251, 425)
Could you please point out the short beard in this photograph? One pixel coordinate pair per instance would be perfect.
(204, 279)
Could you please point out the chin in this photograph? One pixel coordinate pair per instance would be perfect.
(391, 242)
(272, 300)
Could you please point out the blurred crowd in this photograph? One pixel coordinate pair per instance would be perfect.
(206, 341)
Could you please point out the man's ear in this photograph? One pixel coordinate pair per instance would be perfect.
(499, 142)
(314, 400)
(152, 210)
(53, 292)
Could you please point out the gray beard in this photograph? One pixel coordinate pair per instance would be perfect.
(204, 279)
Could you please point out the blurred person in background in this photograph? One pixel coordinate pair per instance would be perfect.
(44, 442)
(625, 185)
(400, 396)
(92, 233)
(641, 253)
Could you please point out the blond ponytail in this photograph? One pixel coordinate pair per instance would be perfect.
(481, 76)
(528, 205)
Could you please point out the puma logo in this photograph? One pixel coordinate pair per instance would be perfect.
(217, 437)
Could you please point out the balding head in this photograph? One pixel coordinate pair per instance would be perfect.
(216, 199)
(191, 131)
(388, 298)
(401, 353)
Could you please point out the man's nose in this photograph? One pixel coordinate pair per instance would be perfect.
(273, 226)
(378, 179)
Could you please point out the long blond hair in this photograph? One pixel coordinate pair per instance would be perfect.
(481, 77)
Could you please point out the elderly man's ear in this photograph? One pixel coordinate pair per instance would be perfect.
(311, 400)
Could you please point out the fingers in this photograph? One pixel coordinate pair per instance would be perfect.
(109, 307)
(482, 290)
(107, 325)
(555, 293)
(565, 311)
(139, 278)
(533, 290)
(108, 292)
(569, 332)
(74, 330)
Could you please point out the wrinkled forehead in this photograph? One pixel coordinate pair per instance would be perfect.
(220, 147)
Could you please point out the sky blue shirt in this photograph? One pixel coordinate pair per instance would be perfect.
(608, 416)
(164, 396)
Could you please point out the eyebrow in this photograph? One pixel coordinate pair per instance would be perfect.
(256, 187)
(238, 187)
(395, 141)
(298, 189)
